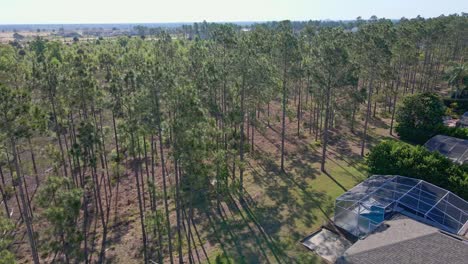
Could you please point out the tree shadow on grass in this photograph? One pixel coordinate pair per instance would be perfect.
(253, 232)
(290, 202)
(334, 180)
(266, 223)
(356, 165)
(378, 123)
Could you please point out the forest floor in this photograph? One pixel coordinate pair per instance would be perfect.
(279, 209)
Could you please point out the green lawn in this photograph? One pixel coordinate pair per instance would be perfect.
(280, 208)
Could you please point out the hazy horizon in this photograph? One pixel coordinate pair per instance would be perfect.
(32, 12)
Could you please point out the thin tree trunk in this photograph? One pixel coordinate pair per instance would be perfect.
(166, 206)
(366, 122)
(26, 191)
(177, 202)
(10, 168)
(241, 147)
(375, 101)
(268, 114)
(97, 190)
(146, 163)
(25, 211)
(4, 197)
(325, 127)
(253, 133)
(153, 177)
(283, 123)
(395, 96)
(104, 155)
(136, 165)
(33, 159)
(59, 137)
(299, 110)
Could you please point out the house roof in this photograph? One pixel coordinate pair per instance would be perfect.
(463, 121)
(453, 148)
(404, 240)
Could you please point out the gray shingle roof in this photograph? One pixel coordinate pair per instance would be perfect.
(404, 240)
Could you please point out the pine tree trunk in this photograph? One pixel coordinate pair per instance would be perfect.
(104, 156)
(97, 191)
(4, 197)
(157, 230)
(374, 112)
(368, 112)
(325, 127)
(136, 165)
(59, 137)
(268, 114)
(25, 211)
(141, 174)
(33, 159)
(353, 117)
(177, 202)
(253, 133)
(153, 176)
(316, 121)
(26, 191)
(395, 96)
(85, 223)
(10, 168)
(283, 119)
(241, 147)
(146, 163)
(299, 110)
(163, 169)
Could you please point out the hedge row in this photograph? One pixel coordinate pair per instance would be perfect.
(457, 132)
(398, 158)
(422, 135)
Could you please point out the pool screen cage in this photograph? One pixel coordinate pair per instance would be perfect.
(363, 208)
(454, 149)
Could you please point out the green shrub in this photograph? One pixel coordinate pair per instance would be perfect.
(457, 132)
(6, 240)
(399, 158)
(418, 116)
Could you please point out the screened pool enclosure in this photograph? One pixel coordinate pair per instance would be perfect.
(364, 207)
(454, 149)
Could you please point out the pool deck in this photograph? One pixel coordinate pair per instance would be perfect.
(327, 244)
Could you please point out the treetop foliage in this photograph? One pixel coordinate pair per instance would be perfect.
(419, 118)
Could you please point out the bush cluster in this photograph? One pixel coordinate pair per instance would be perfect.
(398, 158)
(457, 132)
(419, 118)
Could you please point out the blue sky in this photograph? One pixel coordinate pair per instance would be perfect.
(140, 11)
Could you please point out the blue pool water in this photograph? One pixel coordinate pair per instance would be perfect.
(376, 214)
(376, 217)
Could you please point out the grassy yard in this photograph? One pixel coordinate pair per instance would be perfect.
(282, 208)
